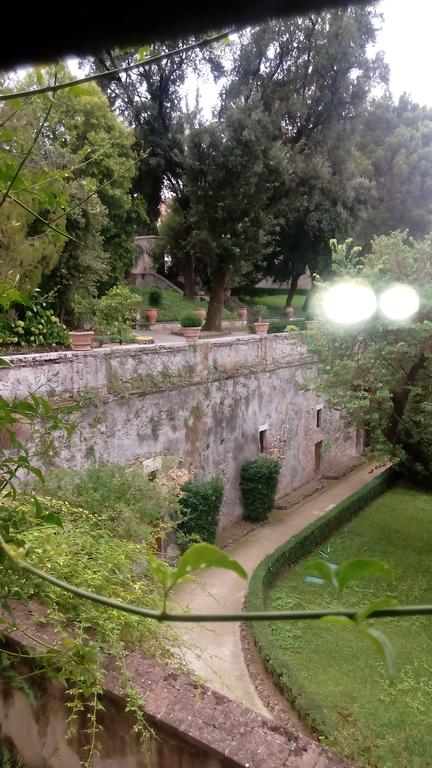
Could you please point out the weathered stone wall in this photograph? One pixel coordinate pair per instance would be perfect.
(204, 403)
(194, 727)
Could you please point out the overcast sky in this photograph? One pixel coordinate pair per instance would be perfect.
(405, 39)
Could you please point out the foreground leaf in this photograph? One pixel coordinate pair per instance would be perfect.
(200, 556)
(360, 568)
(383, 645)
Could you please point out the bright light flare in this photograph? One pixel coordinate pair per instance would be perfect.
(399, 302)
(347, 303)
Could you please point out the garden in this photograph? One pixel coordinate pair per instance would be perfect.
(341, 690)
(28, 322)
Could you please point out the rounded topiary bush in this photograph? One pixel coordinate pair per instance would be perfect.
(200, 505)
(190, 320)
(258, 483)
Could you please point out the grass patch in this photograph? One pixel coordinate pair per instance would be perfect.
(341, 686)
(275, 303)
(174, 305)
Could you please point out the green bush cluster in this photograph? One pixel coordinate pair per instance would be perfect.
(258, 483)
(32, 323)
(288, 554)
(155, 297)
(200, 505)
(190, 320)
(115, 312)
(123, 501)
(280, 326)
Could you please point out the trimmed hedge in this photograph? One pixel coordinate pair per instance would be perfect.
(289, 554)
(250, 290)
(200, 504)
(258, 483)
(278, 326)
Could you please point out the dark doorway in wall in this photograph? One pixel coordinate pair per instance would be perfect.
(318, 449)
(359, 439)
(319, 418)
(262, 440)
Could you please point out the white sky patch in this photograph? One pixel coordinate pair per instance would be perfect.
(405, 38)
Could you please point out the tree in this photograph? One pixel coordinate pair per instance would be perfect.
(313, 77)
(77, 176)
(32, 188)
(380, 373)
(90, 137)
(149, 99)
(230, 172)
(395, 142)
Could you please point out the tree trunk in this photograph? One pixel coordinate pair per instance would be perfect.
(189, 276)
(215, 305)
(292, 290)
(309, 295)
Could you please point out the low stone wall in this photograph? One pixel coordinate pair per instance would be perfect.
(204, 403)
(194, 727)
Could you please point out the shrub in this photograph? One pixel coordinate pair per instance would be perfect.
(278, 326)
(258, 483)
(190, 320)
(124, 502)
(200, 506)
(291, 329)
(261, 311)
(32, 323)
(309, 315)
(155, 297)
(114, 313)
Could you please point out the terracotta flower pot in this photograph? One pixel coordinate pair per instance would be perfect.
(151, 315)
(201, 313)
(289, 311)
(242, 313)
(81, 340)
(191, 334)
(261, 328)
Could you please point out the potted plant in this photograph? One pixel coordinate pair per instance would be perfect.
(83, 309)
(191, 326)
(201, 313)
(289, 311)
(155, 301)
(261, 325)
(242, 313)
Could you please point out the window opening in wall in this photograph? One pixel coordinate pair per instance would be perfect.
(262, 440)
(319, 418)
(318, 448)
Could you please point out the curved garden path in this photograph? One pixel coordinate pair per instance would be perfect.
(214, 651)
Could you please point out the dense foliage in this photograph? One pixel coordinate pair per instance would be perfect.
(258, 484)
(379, 371)
(200, 505)
(30, 322)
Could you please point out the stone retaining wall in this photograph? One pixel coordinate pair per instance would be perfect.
(203, 403)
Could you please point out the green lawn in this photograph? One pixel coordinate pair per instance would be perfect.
(275, 304)
(174, 305)
(346, 690)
